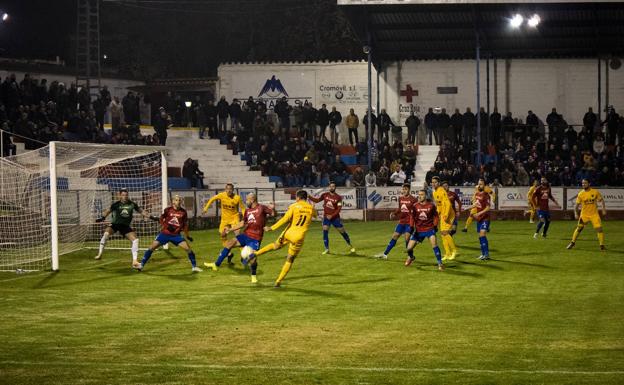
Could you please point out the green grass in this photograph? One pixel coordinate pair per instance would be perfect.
(536, 313)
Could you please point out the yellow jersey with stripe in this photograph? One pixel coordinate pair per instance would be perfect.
(299, 216)
(588, 199)
(229, 206)
(443, 204)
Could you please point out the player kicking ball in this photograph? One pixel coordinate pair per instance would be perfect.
(173, 220)
(299, 216)
(122, 213)
(541, 196)
(254, 219)
(587, 200)
(406, 203)
(482, 217)
(425, 218)
(332, 204)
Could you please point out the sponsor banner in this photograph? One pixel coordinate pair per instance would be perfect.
(613, 197)
(515, 198)
(384, 197)
(202, 198)
(188, 202)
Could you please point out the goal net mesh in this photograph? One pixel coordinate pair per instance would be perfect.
(89, 177)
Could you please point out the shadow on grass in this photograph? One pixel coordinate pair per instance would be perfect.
(524, 263)
(300, 277)
(453, 271)
(287, 288)
(44, 283)
(376, 280)
(480, 264)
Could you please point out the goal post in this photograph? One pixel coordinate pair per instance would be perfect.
(52, 196)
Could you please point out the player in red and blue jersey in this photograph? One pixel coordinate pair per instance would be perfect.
(254, 220)
(455, 205)
(541, 196)
(332, 204)
(482, 217)
(173, 220)
(404, 211)
(425, 219)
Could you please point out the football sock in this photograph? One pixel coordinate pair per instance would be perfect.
(265, 249)
(285, 270)
(539, 226)
(346, 238)
(601, 238)
(191, 257)
(103, 243)
(410, 253)
(224, 253)
(326, 239)
(254, 268)
(532, 216)
(576, 234)
(146, 256)
(135, 249)
(451, 243)
(468, 222)
(438, 254)
(406, 242)
(390, 246)
(546, 225)
(452, 232)
(485, 250)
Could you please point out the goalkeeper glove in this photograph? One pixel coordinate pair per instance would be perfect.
(154, 218)
(189, 238)
(100, 219)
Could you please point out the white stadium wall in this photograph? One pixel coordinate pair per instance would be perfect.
(570, 85)
(339, 84)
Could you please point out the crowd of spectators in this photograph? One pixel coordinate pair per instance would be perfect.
(35, 112)
(515, 152)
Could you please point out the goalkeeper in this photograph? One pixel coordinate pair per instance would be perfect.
(173, 220)
(121, 217)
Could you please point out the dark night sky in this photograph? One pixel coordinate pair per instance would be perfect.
(148, 38)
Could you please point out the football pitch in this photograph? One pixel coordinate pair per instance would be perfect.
(536, 313)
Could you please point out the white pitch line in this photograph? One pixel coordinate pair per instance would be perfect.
(316, 368)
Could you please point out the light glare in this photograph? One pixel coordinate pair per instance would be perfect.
(534, 21)
(5, 16)
(516, 21)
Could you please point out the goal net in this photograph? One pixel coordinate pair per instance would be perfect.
(51, 197)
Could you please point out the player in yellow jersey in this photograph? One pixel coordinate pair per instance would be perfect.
(299, 216)
(474, 210)
(230, 203)
(587, 199)
(447, 217)
(532, 208)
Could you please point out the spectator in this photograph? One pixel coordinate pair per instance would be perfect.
(508, 127)
(334, 120)
(358, 178)
(495, 126)
(116, 110)
(370, 179)
(211, 119)
(352, 122)
(339, 171)
(191, 171)
(162, 122)
(507, 177)
(235, 113)
(457, 123)
(589, 121)
(322, 119)
(412, 122)
(373, 123)
(613, 122)
(384, 123)
(223, 111)
(398, 176)
(470, 122)
(282, 110)
(444, 126)
(383, 174)
(431, 126)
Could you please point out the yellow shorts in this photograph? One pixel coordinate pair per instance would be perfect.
(594, 219)
(474, 210)
(447, 225)
(230, 223)
(294, 239)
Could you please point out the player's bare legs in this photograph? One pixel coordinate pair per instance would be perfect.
(410, 252)
(147, 255)
(132, 237)
(107, 233)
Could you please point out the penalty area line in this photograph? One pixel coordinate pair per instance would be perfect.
(109, 365)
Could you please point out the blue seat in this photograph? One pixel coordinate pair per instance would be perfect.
(349, 160)
(179, 183)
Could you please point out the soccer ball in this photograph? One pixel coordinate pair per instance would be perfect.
(246, 252)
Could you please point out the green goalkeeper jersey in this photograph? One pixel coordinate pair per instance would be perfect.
(122, 212)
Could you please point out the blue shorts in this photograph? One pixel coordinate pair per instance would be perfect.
(483, 225)
(163, 239)
(332, 222)
(543, 214)
(421, 236)
(455, 220)
(244, 240)
(403, 228)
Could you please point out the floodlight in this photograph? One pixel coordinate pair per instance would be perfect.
(534, 21)
(516, 21)
(188, 104)
(5, 16)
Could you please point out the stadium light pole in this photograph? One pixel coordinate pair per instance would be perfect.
(478, 59)
(369, 117)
